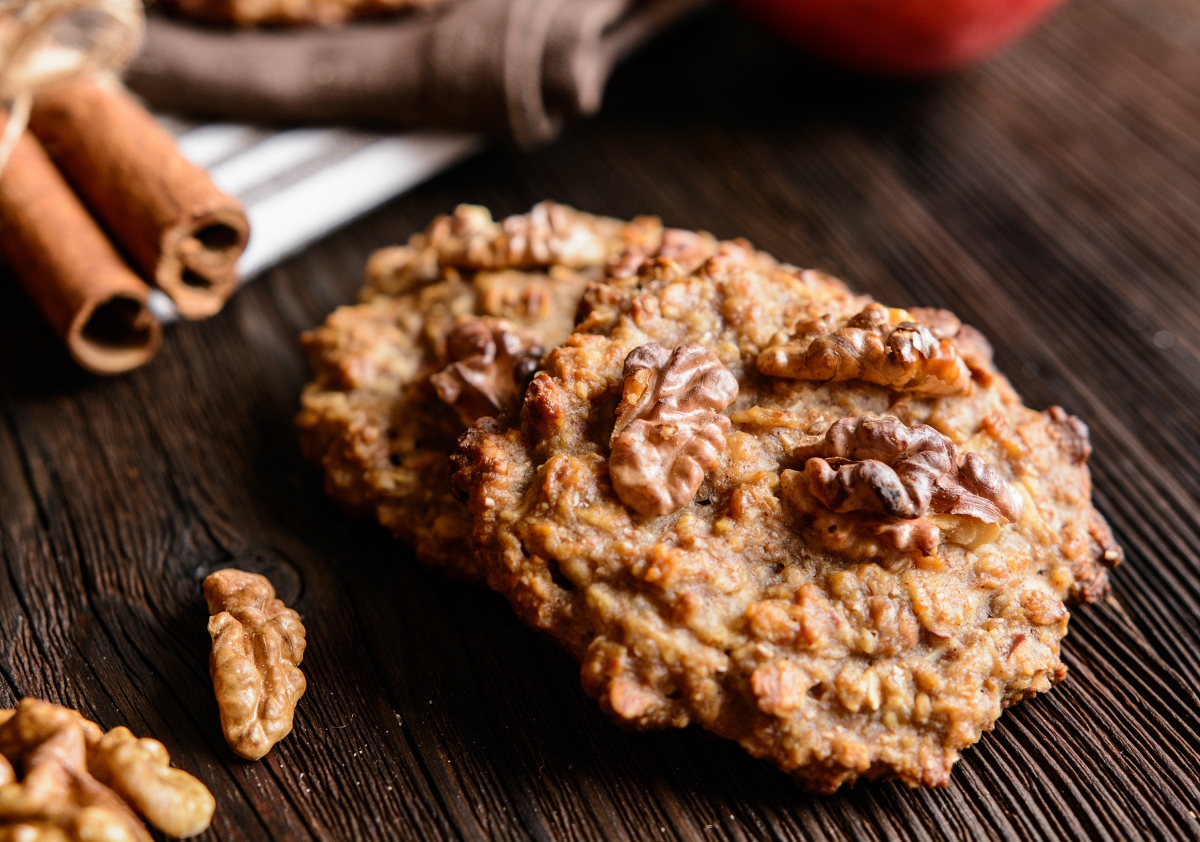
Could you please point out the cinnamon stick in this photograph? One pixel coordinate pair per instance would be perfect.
(72, 272)
(177, 228)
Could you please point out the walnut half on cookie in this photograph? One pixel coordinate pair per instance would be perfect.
(875, 488)
(669, 428)
(258, 644)
(834, 660)
(892, 348)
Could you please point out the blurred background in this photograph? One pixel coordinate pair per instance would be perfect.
(502, 70)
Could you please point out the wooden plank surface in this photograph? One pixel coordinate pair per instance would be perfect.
(1051, 198)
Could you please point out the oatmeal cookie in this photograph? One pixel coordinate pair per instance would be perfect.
(746, 498)
(449, 328)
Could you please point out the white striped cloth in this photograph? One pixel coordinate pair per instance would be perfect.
(300, 184)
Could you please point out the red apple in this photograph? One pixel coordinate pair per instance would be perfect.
(904, 37)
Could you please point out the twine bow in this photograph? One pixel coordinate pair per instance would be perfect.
(48, 42)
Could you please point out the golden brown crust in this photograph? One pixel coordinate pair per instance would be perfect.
(728, 613)
(372, 417)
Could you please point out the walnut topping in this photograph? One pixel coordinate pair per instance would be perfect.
(549, 233)
(882, 465)
(491, 364)
(669, 428)
(910, 482)
(81, 784)
(1072, 434)
(257, 644)
(971, 345)
(887, 347)
(687, 249)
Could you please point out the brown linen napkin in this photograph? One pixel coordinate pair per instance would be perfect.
(504, 66)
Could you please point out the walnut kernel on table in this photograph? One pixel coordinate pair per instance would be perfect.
(258, 643)
(372, 420)
(81, 784)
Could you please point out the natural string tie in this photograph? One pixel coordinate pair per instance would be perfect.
(49, 42)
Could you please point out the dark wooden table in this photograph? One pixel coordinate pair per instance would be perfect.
(1052, 198)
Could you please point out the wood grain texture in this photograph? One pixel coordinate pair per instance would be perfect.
(1050, 198)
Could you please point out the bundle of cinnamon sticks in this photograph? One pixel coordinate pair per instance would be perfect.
(96, 203)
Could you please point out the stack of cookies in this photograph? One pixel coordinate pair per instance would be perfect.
(740, 494)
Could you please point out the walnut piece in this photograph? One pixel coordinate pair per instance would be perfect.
(1072, 434)
(549, 233)
(257, 644)
(491, 364)
(81, 784)
(139, 770)
(669, 428)
(876, 484)
(548, 236)
(884, 346)
(687, 249)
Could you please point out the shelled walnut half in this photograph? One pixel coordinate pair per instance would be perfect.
(875, 487)
(669, 428)
(922, 351)
(258, 643)
(79, 784)
(491, 362)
